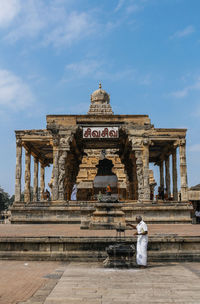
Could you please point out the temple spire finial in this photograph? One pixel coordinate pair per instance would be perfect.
(100, 102)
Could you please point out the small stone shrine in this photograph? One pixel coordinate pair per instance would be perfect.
(72, 145)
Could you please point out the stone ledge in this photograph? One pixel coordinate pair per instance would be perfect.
(72, 212)
(95, 256)
(160, 248)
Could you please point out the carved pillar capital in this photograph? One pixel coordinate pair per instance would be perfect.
(18, 142)
(136, 142)
(176, 144)
(64, 143)
(182, 142)
(147, 142)
(55, 141)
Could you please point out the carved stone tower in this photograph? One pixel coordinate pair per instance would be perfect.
(100, 103)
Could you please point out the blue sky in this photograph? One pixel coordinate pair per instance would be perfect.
(54, 53)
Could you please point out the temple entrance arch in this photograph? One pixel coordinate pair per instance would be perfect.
(105, 177)
(119, 151)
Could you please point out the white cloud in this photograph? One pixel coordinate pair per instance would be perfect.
(130, 6)
(180, 93)
(100, 70)
(133, 8)
(195, 148)
(52, 22)
(184, 33)
(9, 9)
(76, 27)
(59, 23)
(188, 89)
(85, 68)
(145, 80)
(14, 93)
(97, 70)
(119, 5)
(30, 22)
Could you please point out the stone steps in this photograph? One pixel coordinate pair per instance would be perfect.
(92, 249)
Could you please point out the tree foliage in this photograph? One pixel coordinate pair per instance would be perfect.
(5, 199)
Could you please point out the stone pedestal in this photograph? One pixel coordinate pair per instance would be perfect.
(107, 216)
(120, 255)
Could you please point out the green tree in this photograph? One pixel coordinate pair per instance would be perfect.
(5, 200)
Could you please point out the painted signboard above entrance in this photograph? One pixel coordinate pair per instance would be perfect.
(101, 132)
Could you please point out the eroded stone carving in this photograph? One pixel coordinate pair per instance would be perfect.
(62, 173)
(139, 170)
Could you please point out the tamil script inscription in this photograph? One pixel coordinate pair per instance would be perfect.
(101, 132)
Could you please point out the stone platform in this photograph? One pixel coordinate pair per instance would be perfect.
(70, 243)
(71, 212)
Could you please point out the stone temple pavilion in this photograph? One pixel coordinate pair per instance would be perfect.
(72, 145)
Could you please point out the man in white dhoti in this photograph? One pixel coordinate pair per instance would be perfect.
(142, 241)
(74, 193)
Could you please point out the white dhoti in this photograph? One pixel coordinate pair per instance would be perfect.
(142, 242)
(141, 256)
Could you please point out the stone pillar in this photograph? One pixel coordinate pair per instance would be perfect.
(35, 181)
(42, 181)
(167, 176)
(62, 175)
(162, 184)
(174, 168)
(139, 171)
(55, 169)
(27, 193)
(183, 171)
(134, 179)
(18, 172)
(146, 171)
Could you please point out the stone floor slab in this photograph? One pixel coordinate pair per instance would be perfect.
(158, 284)
(90, 283)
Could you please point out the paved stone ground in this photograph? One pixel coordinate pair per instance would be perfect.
(19, 280)
(74, 230)
(172, 283)
(90, 283)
